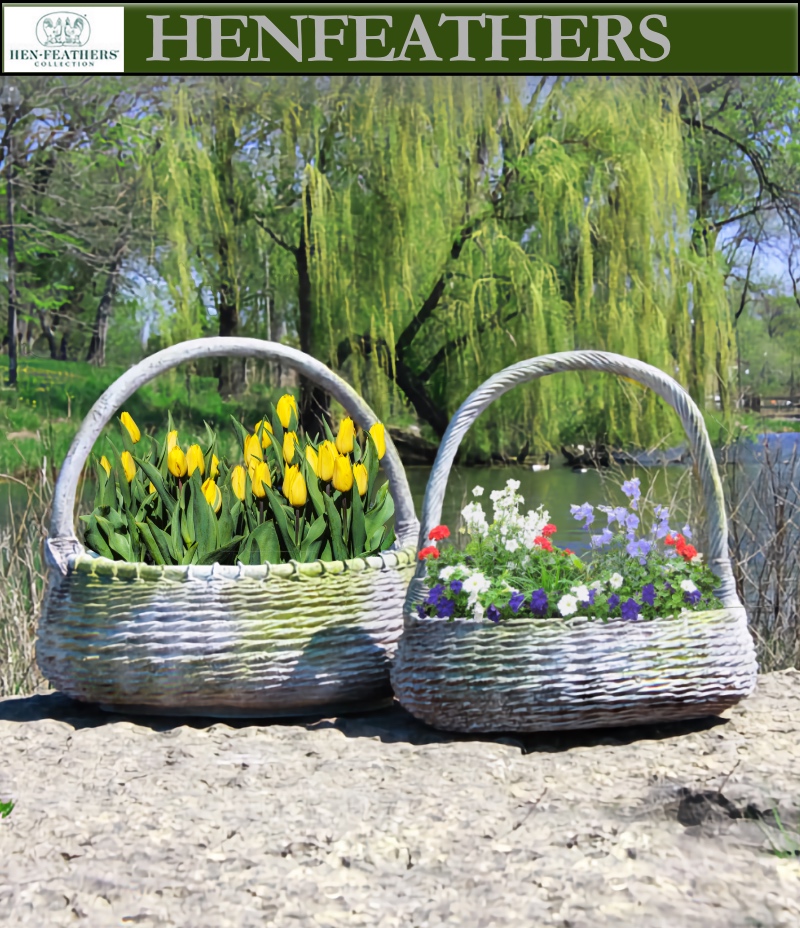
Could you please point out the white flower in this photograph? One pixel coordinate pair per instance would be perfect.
(688, 586)
(478, 611)
(512, 484)
(597, 585)
(616, 581)
(697, 559)
(511, 545)
(582, 592)
(446, 572)
(477, 491)
(567, 605)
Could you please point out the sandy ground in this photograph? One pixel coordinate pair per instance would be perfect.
(378, 820)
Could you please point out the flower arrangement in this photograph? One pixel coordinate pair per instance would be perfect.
(286, 498)
(639, 567)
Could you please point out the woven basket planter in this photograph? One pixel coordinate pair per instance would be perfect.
(531, 674)
(272, 640)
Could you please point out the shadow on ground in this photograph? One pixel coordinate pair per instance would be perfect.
(390, 725)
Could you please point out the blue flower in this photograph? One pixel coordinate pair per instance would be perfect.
(599, 541)
(586, 511)
(649, 594)
(592, 598)
(421, 612)
(435, 594)
(620, 514)
(613, 601)
(455, 585)
(493, 614)
(632, 522)
(693, 598)
(539, 603)
(631, 489)
(630, 610)
(639, 549)
(516, 602)
(669, 587)
(446, 608)
(687, 532)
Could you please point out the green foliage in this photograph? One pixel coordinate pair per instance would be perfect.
(158, 505)
(6, 808)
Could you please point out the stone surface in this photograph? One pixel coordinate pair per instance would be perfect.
(378, 820)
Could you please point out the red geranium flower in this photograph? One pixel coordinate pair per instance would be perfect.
(688, 552)
(544, 543)
(567, 551)
(438, 533)
(430, 551)
(549, 529)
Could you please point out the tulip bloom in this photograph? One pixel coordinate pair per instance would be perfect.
(266, 441)
(213, 494)
(104, 463)
(131, 427)
(286, 406)
(151, 488)
(172, 440)
(261, 479)
(361, 478)
(176, 462)
(289, 446)
(238, 481)
(252, 450)
(294, 487)
(327, 460)
(195, 460)
(128, 465)
(344, 440)
(343, 474)
(378, 433)
(214, 467)
(313, 459)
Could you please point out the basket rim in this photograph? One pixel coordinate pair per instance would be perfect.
(97, 565)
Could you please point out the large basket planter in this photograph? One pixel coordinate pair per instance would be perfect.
(223, 641)
(532, 674)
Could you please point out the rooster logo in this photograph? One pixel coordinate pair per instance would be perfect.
(63, 29)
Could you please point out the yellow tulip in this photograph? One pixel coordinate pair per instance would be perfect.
(239, 481)
(212, 494)
(104, 463)
(343, 474)
(361, 478)
(261, 479)
(195, 460)
(266, 441)
(289, 446)
(128, 465)
(214, 467)
(313, 459)
(327, 460)
(252, 449)
(172, 440)
(151, 488)
(131, 426)
(294, 487)
(344, 440)
(286, 406)
(378, 434)
(176, 462)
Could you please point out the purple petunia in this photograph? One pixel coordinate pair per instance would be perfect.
(613, 601)
(630, 609)
(516, 601)
(421, 612)
(445, 608)
(669, 587)
(493, 614)
(539, 603)
(649, 594)
(435, 594)
(592, 598)
(586, 511)
(455, 586)
(631, 489)
(693, 598)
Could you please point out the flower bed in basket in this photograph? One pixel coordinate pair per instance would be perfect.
(515, 633)
(267, 585)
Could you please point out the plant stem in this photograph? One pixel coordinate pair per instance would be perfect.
(297, 526)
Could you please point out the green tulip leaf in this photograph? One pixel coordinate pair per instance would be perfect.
(358, 529)
(310, 547)
(335, 526)
(286, 529)
(155, 478)
(150, 543)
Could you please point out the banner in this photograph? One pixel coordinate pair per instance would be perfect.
(334, 38)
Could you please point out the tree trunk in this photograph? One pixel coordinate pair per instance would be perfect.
(97, 346)
(50, 335)
(314, 402)
(230, 371)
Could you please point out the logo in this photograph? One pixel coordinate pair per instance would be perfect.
(63, 30)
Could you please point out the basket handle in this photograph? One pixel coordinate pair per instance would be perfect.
(645, 374)
(63, 543)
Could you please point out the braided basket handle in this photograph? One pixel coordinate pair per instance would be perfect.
(62, 542)
(645, 374)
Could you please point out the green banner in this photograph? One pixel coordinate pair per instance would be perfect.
(473, 38)
(469, 38)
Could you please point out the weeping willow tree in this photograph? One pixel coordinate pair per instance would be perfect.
(425, 233)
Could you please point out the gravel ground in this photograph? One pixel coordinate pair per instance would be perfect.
(378, 820)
